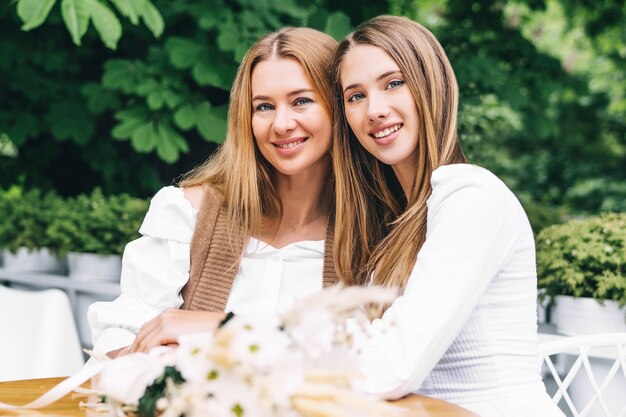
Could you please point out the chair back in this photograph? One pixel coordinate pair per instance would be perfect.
(38, 335)
(589, 372)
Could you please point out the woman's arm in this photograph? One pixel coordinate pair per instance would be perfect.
(155, 267)
(471, 229)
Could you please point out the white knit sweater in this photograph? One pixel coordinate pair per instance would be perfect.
(464, 329)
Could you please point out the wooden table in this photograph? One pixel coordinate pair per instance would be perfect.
(22, 392)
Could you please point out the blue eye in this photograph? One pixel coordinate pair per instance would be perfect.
(301, 101)
(395, 84)
(355, 97)
(264, 107)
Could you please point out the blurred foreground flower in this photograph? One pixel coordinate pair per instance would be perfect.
(295, 365)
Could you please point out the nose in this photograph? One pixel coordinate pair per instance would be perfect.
(284, 122)
(377, 108)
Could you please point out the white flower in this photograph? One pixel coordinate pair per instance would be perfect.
(193, 356)
(258, 341)
(126, 378)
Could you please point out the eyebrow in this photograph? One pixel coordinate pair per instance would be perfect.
(380, 77)
(291, 93)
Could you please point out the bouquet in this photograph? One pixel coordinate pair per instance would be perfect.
(294, 365)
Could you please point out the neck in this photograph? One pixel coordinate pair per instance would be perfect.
(405, 172)
(304, 197)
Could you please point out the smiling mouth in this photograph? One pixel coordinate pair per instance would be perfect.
(386, 132)
(289, 145)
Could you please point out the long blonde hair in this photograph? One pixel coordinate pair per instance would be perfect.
(378, 229)
(238, 169)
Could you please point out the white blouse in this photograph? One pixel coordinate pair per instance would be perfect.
(464, 329)
(155, 268)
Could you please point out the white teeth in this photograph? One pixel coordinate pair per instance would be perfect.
(288, 145)
(386, 132)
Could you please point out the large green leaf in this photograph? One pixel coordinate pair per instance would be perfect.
(127, 8)
(185, 117)
(34, 12)
(144, 138)
(151, 17)
(130, 120)
(106, 23)
(183, 53)
(211, 122)
(76, 17)
(338, 25)
(168, 144)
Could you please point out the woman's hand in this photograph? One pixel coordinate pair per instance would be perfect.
(165, 328)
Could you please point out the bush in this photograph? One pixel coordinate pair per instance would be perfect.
(584, 258)
(25, 219)
(98, 224)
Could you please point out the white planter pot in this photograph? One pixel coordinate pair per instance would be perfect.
(38, 260)
(91, 266)
(574, 316)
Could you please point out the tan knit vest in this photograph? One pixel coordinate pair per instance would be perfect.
(216, 249)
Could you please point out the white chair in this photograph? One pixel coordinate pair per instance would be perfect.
(38, 337)
(590, 373)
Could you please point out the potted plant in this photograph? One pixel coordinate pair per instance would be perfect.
(93, 230)
(581, 266)
(24, 239)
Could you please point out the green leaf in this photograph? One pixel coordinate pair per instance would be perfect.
(208, 21)
(131, 119)
(144, 138)
(69, 119)
(211, 122)
(127, 9)
(338, 25)
(76, 17)
(215, 71)
(25, 126)
(34, 12)
(152, 18)
(172, 100)
(106, 23)
(99, 99)
(229, 38)
(166, 145)
(155, 100)
(183, 53)
(123, 75)
(185, 117)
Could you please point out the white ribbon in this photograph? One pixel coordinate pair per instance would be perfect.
(61, 389)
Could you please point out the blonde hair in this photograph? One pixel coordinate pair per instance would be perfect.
(378, 229)
(237, 169)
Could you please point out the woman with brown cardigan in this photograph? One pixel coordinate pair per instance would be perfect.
(250, 230)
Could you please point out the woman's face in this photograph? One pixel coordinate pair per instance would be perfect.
(379, 106)
(290, 125)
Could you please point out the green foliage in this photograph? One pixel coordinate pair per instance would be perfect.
(76, 15)
(542, 86)
(87, 223)
(147, 403)
(163, 102)
(25, 219)
(584, 258)
(96, 224)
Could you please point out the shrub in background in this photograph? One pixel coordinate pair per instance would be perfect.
(584, 258)
(25, 217)
(98, 224)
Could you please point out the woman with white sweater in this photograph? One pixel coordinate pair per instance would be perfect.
(412, 213)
